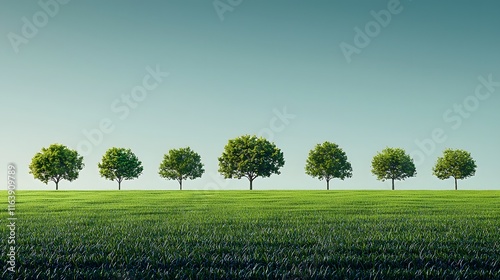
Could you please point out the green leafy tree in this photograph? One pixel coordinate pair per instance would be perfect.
(120, 164)
(181, 164)
(458, 164)
(250, 157)
(327, 161)
(393, 164)
(56, 163)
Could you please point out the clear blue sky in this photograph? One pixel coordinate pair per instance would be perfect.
(231, 71)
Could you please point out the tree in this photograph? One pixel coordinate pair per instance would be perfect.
(458, 164)
(120, 164)
(250, 157)
(181, 164)
(393, 164)
(56, 163)
(327, 161)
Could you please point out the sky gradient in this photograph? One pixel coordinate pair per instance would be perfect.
(270, 68)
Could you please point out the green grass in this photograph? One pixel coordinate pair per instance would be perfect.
(258, 234)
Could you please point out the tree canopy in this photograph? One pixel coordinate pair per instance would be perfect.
(181, 164)
(458, 164)
(393, 164)
(120, 164)
(56, 163)
(250, 157)
(327, 161)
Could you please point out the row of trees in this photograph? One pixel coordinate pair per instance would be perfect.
(246, 156)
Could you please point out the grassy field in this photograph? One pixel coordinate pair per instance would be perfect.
(256, 235)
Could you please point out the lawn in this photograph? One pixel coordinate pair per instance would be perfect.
(256, 235)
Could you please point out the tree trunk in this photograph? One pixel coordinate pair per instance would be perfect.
(57, 185)
(455, 183)
(251, 181)
(119, 185)
(327, 185)
(180, 184)
(392, 184)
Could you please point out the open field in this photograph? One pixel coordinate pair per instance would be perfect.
(258, 234)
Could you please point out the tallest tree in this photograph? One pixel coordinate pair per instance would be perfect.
(56, 163)
(250, 157)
